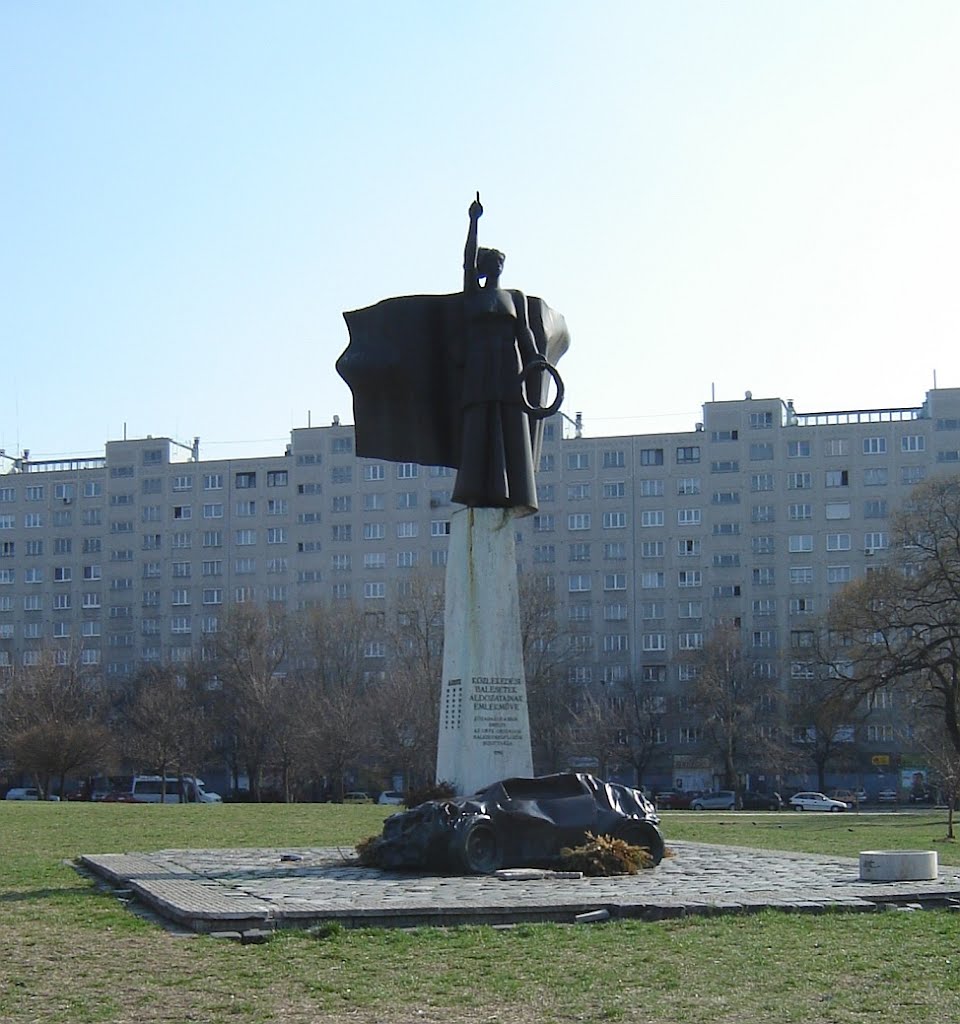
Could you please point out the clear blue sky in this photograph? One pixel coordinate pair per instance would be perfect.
(746, 195)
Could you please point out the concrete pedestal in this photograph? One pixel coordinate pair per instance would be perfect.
(484, 726)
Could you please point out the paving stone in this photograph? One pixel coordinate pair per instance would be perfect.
(254, 890)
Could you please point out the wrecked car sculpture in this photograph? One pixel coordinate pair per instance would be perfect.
(515, 823)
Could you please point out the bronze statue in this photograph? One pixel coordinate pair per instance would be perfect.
(459, 380)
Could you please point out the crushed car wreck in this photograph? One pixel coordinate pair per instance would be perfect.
(515, 823)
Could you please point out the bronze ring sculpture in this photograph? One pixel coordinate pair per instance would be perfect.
(541, 412)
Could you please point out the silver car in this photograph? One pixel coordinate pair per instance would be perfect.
(815, 802)
(721, 800)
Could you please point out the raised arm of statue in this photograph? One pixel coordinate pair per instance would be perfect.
(470, 282)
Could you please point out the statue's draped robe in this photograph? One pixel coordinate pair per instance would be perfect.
(422, 393)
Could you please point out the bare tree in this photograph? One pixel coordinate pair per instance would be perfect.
(251, 652)
(166, 721)
(406, 711)
(53, 721)
(640, 714)
(551, 696)
(336, 712)
(901, 622)
(728, 698)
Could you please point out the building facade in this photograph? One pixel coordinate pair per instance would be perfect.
(756, 516)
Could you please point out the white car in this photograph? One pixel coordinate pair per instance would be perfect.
(815, 802)
(21, 793)
(391, 796)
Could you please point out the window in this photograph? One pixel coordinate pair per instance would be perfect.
(212, 538)
(180, 597)
(615, 581)
(543, 523)
(798, 449)
(578, 460)
(761, 452)
(653, 641)
(547, 463)
(440, 528)
(762, 544)
(406, 559)
(873, 542)
(802, 606)
(874, 446)
(375, 560)
(799, 481)
(580, 552)
(341, 475)
(373, 591)
(242, 480)
(838, 574)
(838, 510)
(212, 568)
(726, 560)
(33, 520)
(688, 517)
(688, 485)
(407, 471)
(616, 551)
(614, 489)
(651, 580)
(578, 521)
(761, 420)
(689, 578)
(651, 517)
(686, 454)
(726, 498)
(688, 547)
(651, 489)
(835, 447)
(838, 542)
(913, 443)
(652, 610)
(543, 553)
(912, 474)
(578, 583)
(762, 482)
(765, 606)
(651, 456)
(875, 477)
(800, 542)
(277, 478)
(614, 643)
(836, 478)
(763, 576)
(406, 499)
(690, 610)
(245, 538)
(725, 466)
(800, 574)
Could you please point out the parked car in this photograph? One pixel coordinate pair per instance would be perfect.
(517, 823)
(762, 802)
(851, 797)
(22, 793)
(390, 796)
(816, 802)
(676, 799)
(357, 797)
(887, 796)
(721, 800)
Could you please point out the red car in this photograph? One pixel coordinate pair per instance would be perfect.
(676, 799)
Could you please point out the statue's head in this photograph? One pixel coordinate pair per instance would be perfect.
(489, 262)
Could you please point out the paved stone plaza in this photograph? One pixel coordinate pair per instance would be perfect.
(248, 892)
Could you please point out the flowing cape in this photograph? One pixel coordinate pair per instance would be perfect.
(405, 365)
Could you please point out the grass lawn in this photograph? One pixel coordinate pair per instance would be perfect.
(70, 954)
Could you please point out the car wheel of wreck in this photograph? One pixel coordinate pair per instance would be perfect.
(478, 847)
(645, 835)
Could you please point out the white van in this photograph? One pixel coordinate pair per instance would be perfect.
(152, 789)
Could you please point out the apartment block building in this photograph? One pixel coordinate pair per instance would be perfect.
(756, 515)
